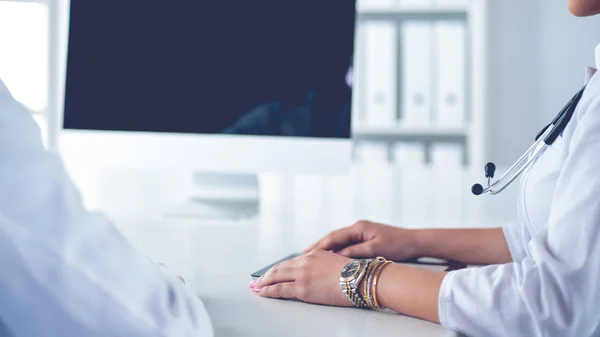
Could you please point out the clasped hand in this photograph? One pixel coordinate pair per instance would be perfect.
(314, 276)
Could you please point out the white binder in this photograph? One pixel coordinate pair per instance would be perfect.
(408, 155)
(366, 5)
(448, 175)
(416, 74)
(447, 155)
(459, 4)
(450, 39)
(413, 195)
(379, 73)
(415, 3)
(371, 153)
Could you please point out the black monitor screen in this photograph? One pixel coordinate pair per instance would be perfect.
(250, 67)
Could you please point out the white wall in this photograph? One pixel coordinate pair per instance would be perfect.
(567, 45)
(537, 57)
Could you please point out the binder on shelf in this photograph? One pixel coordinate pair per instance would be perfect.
(379, 73)
(426, 4)
(459, 4)
(397, 4)
(408, 155)
(447, 162)
(411, 172)
(450, 39)
(371, 153)
(416, 73)
(447, 156)
(375, 4)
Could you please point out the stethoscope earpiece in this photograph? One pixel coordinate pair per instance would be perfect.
(477, 189)
(545, 138)
(490, 170)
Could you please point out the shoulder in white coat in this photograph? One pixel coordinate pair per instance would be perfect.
(554, 290)
(66, 271)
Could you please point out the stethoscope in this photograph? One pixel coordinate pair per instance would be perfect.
(544, 138)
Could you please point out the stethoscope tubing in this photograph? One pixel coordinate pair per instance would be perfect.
(544, 139)
(517, 168)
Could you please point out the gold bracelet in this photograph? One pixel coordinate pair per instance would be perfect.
(365, 296)
(374, 285)
(368, 294)
(375, 280)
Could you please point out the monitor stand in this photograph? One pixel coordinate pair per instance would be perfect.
(221, 196)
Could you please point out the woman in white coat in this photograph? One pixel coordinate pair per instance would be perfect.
(65, 271)
(544, 273)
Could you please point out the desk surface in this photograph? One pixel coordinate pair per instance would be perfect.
(216, 257)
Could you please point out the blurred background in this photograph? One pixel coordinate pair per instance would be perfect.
(437, 83)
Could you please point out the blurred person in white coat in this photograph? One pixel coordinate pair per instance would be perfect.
(65, 271)
(543, 277)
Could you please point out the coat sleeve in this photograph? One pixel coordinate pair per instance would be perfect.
(554, 291)
(66, 271)
(517, 237)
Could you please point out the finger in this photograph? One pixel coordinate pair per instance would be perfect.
(337, 239)
(285, 264)
(359, 250)
(276, 275)
(280, 290)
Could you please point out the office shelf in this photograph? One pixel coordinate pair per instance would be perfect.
(413, 10)
(28, 1)
(368, 11)
(471, 137)
(425, 13)
(403, 134)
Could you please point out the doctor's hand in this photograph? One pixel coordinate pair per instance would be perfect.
(313, 278)
(367, 239)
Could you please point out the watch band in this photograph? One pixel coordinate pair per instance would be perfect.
(354, 297)
(350, 288)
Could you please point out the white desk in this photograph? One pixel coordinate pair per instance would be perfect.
(216, 257)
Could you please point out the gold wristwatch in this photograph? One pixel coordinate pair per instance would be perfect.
(350, 278)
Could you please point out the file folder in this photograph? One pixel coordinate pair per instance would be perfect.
(416, 74)
(450, 39)
(380, 71)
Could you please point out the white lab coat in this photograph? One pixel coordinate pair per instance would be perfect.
(65, 271)
(553, 287)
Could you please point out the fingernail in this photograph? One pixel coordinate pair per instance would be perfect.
(256, 290)
(338, 253)
(251, 285)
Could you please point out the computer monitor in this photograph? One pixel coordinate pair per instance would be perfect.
(234, 87)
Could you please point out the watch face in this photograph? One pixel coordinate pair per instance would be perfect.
(351, 269)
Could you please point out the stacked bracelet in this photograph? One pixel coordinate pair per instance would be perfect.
(373, 288)
(358, 280)
(368, 282)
